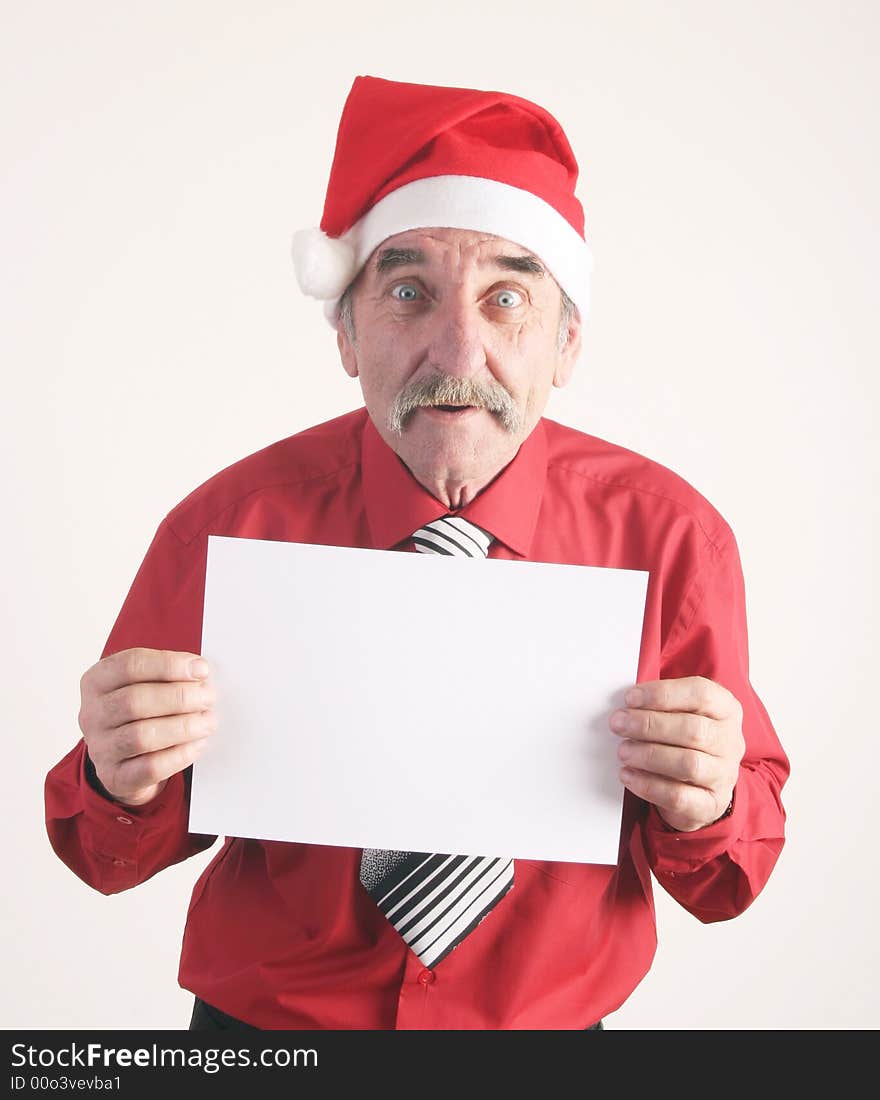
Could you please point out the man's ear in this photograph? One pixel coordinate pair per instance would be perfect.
(346, 351)
(569, 355)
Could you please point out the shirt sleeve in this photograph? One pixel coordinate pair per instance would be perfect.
(717, 872)
(109, 846)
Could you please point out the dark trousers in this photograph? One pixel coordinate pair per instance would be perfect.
(207, 1018)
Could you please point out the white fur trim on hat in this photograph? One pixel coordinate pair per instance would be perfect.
(482, 205)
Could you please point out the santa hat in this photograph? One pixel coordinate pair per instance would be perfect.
(411, 156)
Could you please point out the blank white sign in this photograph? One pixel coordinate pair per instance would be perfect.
(417, 702)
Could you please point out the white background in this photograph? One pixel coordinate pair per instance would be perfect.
(155, 161)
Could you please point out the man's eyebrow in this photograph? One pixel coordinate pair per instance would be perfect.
(528, 265)
(390, 258)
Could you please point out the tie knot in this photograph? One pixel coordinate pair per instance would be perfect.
(454, 536)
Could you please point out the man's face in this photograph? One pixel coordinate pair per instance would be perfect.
(456, 343)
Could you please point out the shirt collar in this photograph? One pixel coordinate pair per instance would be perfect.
(397, 505)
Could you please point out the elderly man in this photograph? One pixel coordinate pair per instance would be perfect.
(452, 260)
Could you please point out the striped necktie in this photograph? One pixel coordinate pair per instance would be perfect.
(434, 901)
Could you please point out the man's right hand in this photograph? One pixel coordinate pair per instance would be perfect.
(146, 714)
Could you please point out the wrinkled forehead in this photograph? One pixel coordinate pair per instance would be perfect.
(454, 250)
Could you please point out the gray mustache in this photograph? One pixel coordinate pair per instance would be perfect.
(445, 389)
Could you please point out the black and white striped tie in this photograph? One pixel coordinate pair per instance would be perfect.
(434, 901)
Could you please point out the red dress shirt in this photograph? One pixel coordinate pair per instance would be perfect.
(284, 936)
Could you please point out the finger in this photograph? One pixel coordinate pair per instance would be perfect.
(154, 734)
(692, 731)
(151, 768)
(694, 694)
(139, 701)
(683, 805)
(686, 765)
(133, 666)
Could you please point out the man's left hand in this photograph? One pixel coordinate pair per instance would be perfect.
(682, 748)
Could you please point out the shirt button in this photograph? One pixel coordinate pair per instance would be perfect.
(120, 863)
(123, 820)
(427, 976)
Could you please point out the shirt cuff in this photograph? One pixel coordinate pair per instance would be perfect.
(101, 804)
(116, 832)
(675, 852)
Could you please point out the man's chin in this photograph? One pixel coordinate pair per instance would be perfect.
(449, 438)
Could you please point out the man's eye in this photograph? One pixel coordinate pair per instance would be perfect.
(508, 299)
(405, 292)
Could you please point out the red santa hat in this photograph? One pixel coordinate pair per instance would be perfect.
(413, 156)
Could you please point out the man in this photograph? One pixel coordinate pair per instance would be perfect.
(452, 261)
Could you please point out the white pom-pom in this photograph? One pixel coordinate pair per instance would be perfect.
(324, 265)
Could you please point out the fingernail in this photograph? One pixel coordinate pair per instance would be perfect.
(619, 721)
(198, 668)
(634, 697)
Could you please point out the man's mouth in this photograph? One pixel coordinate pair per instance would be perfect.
(452, 409)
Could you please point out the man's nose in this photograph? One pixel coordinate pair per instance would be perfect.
(457, 345)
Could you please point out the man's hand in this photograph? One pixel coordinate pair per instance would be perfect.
(682, 748)
(146, 714)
